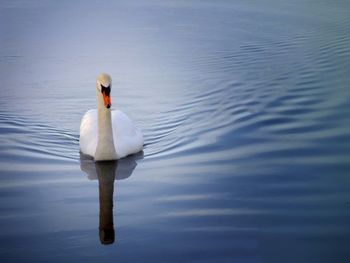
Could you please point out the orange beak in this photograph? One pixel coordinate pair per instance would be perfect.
(107, 100)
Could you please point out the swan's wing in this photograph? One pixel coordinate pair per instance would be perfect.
(88, 133)
(128, 139)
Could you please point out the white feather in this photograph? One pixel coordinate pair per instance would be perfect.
(128, 139)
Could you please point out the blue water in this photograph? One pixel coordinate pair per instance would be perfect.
(245, 111)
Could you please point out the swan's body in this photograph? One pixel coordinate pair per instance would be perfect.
(105, 134)
(127, 138)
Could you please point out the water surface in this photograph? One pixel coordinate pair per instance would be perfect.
(245, 112)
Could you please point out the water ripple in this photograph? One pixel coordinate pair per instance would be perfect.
(26, 141)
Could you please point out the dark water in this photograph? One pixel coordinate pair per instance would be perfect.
(246, 115)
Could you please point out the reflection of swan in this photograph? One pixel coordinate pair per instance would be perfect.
(106, 173)
(124, 167)
(105, 134)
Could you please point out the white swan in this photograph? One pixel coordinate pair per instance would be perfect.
(105, 134)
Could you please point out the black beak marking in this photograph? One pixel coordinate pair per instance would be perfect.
(105, 90)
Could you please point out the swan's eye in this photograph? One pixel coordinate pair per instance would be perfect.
(105, 90)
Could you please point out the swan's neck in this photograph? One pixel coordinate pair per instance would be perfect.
(105, 145)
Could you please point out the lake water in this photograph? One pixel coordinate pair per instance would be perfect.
(245, 109)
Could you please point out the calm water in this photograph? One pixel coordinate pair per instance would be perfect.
(246, 115)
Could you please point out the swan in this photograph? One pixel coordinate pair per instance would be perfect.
(105, 134)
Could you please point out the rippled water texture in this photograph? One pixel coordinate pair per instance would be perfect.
(245, 111)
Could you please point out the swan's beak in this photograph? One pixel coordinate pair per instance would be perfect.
(107, 100)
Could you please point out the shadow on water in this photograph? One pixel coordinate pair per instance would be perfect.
(106, 173)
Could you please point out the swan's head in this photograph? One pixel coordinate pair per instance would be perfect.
(103, 85)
